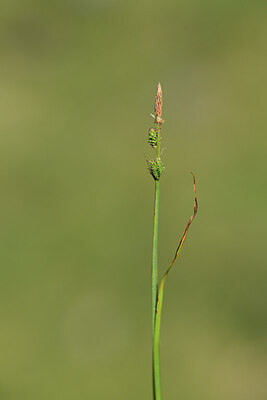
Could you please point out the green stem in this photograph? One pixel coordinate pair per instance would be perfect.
(155, 257)
(156, 377)
(158, 141)
(156, 341)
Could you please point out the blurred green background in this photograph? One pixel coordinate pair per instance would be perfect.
(78, 80)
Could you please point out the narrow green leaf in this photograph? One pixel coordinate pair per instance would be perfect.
(156, 363)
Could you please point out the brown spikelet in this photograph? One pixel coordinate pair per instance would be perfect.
(158, 106)
(158, 102)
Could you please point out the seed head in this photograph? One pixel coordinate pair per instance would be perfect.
(158, 105)
(153, 137)
(155, 167)
(158, 102)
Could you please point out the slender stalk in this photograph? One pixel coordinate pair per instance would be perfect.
(156, 341)
(155, 257)
(155, 242)
(155, 283)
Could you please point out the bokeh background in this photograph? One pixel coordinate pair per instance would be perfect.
(78, 80)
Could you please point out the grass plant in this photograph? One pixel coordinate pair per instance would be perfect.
(156, 168)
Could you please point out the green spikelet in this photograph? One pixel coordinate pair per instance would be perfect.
(153, 137)
(155, 168)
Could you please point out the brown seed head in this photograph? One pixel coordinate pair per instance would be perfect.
(158, 102)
